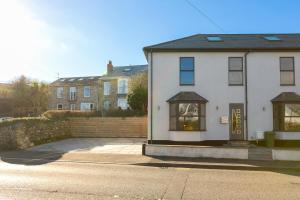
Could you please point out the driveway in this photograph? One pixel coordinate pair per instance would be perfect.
(94, 145)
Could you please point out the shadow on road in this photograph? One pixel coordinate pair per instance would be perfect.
(23, 157)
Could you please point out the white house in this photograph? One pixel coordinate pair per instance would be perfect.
(215, 88)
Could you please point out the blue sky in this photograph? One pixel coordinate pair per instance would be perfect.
(40, 38)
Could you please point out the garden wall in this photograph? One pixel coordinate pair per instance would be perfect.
(109, 127)
(25, 133)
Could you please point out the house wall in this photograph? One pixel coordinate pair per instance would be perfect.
(53, 100)
(113, 95)
(211, 82)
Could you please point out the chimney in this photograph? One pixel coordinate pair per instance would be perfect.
(109, 67)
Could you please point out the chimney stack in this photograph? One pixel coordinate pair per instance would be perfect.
(109, 67)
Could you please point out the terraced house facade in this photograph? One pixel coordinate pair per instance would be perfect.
(100, 93)
(224, 87)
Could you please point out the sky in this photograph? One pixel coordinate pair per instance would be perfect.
(42, 39)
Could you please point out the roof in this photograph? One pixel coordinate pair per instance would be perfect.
(127, 70)
(77, 80)
(187, 96)
(230, 42)
(287, 97)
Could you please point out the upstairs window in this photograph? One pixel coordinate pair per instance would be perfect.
(106, 88)
(122, 86)
(235, 71)
(60, 92)
(86, 91)
(287, 71)
(187, 71)
(72, 93)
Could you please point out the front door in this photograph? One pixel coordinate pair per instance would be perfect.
(236, 121)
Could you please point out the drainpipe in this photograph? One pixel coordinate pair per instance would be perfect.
(151, 98)
(246, 94)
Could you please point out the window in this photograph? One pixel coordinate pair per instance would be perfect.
(287, 71)
(86, 91)
(59, 106)
(214, 39)
(235, 71)
(122, 86)
(187, 116)
(60, 92)
(286, 116)
(106, 105)
(122, 103)
(106, 88)
(272, 38)
(86, 106)
(72, 93)
(187, 71)
(73, 106)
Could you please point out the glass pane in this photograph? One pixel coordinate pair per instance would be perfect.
(235, 63)
(292, 110)
(188, 123)
(173, 123)
(235, 78)
(186, 77)
(188, 109)
(173, 109)
(286, 63)
(214, 38)
(292, 123)
(286, 78)
(186, 63)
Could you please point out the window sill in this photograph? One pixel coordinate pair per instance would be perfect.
(188, 131)
(187, 84)
(298, 131)
(235, 84)
(287, 84)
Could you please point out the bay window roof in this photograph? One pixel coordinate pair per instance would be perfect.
(287, 97)
(187, 97)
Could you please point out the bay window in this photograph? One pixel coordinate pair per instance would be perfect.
(286, 116)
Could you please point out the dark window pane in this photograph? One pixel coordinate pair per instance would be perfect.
(292, 110)
(287, 64)
(186, 63)
(235, 78)
(186, 77)
(188, 123)
(287, 78)
(188, 109)
(235, 63)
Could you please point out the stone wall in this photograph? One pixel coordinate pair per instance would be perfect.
(109, 127)
(22, 134)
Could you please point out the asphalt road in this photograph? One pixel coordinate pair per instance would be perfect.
(73, 180)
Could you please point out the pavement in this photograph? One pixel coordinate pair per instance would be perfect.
(94, 145)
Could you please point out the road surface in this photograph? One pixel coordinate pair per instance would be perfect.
(75, 180)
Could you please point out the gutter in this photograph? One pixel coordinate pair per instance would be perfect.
(246, 95)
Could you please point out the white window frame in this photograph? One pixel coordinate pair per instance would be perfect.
(60, 92)
(72, 93)
(84, 90)
(73, 106)
(122, 88)
(121, 103)
(87, 106)
(106, 88)
(60, 104)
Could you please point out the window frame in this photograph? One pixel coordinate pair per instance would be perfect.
(72, 93)
(180, 70)
(62, 93)
(59, 104)
(200, 115)
(84, 88)
(106, 88)
(294, 81)
(72, 106)
(125, 86)
(279, 117)
(230, 70)
(118, 101)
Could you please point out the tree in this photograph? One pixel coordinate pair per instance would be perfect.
(138, 96)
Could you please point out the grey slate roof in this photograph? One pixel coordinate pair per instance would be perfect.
(127, 70)
(229, 42)
(187, 96)
(287, 97)
(77, 80)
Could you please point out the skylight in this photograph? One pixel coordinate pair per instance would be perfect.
(272, 38)
(72, 79)
(214, 39)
